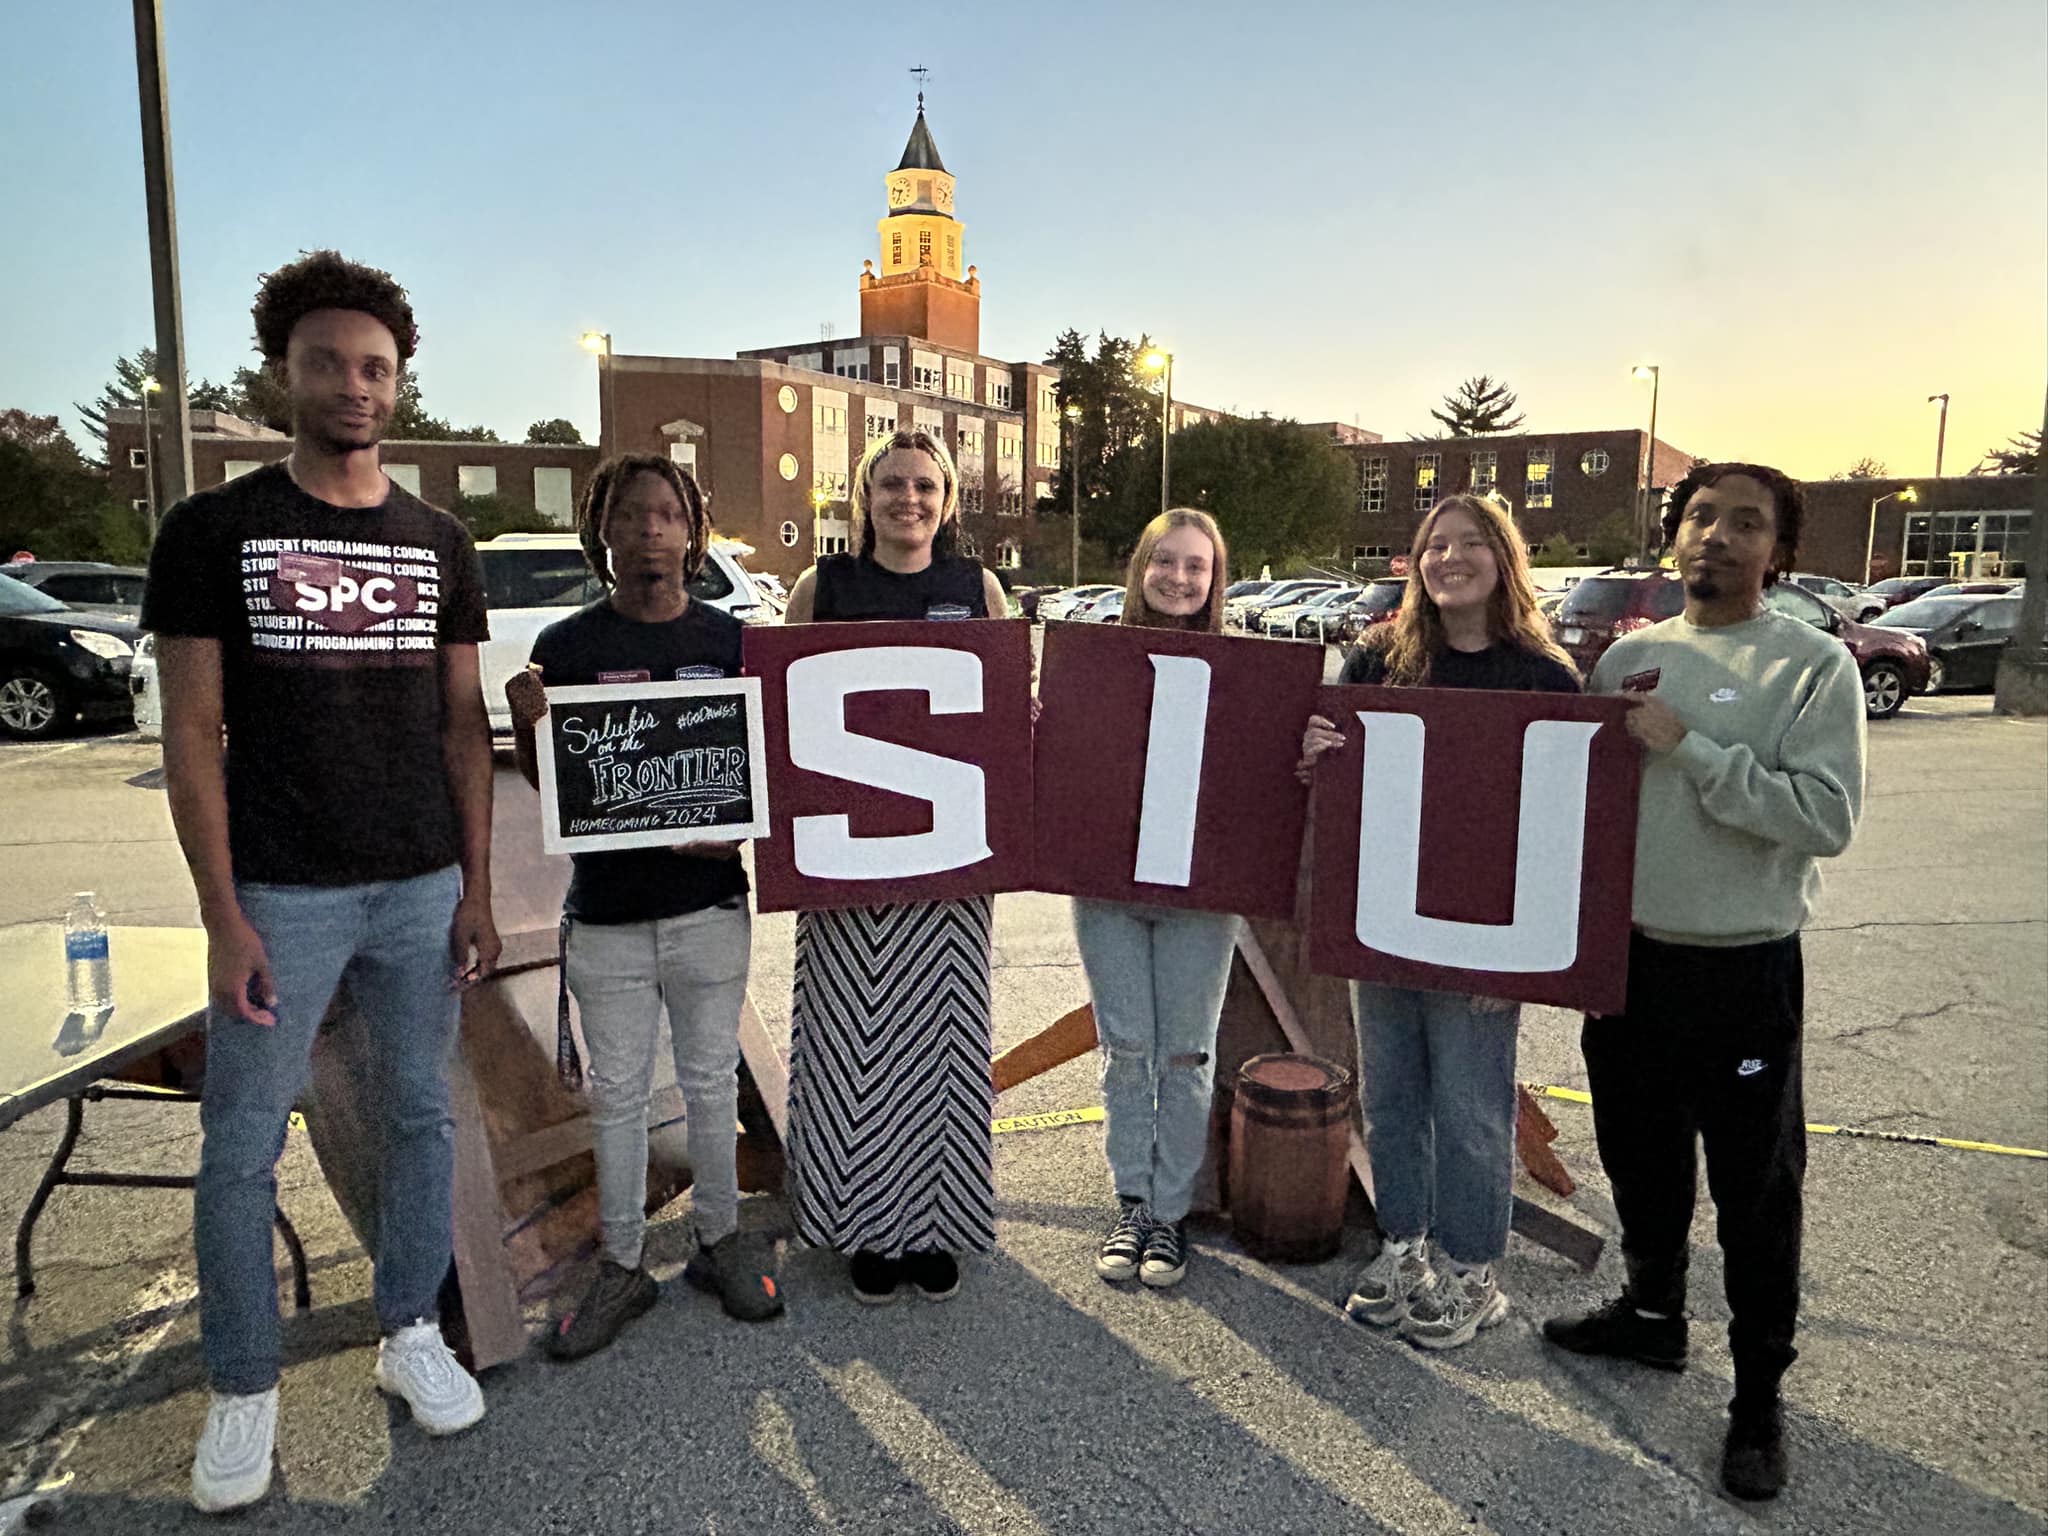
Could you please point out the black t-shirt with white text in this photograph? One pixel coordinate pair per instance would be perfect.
(331, 622)
(598, 644)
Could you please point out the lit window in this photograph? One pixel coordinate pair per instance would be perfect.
(1593, 461)
(924, 247)
(1372, 486)
(952, 251)
(896, 249)
(1540, 464)
(1426, 466)
(970, 443)
(1485, 473)
(1006, 444)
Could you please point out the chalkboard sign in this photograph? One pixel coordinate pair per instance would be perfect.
(648, 765)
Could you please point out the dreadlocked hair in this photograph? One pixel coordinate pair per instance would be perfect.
(610, 479)
(947, 540)
(327, 280)
(1788, 505)
(1415, 635)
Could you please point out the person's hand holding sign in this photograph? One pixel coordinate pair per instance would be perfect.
(708, 850)
(526, 696)
(1320, 737)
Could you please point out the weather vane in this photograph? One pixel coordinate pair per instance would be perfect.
(922, 75)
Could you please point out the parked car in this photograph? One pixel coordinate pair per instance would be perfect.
(1061, 605)
(1985, 588)
(1026, 599)
(90, 586)
(1846, 600)
(1964, 635)
(1547, 603)
(1319, 618)
(58, 665)
(1379, 602)
(1252, 615)
(1106, 609)
(1284, 619)
(1894, 590)
(533, 579)
(1238, 594)
(1601, 609)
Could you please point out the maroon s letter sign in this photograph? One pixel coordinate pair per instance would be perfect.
(1477, 842)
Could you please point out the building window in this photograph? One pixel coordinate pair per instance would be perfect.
(139, 503)
(684, 455)
(829, 536)
(1006, 443)
(476, 480)
(960, 381)
(970, 497)
(787, 466)
(138, 458)
(1426, 467)
(952, 253)
(999, 392)
(1009, 555)
(1370, 551)
(1048, 400)
(880, 422)
(552, 496)
(892, 367)
(924, 247)
(1485, 473)
(789, 534)
(1593, 462)
(1048, 454)
(404, 476)
(1372, 486)
(970, 443)
(1540, 464)
(828, 418)
(234, 469)
(856, 371)
(831, 481)
(896, 248)
(810, 362)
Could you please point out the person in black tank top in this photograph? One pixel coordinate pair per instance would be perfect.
(890, 1157)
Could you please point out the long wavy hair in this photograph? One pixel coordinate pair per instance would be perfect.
(1138, 611)
(1415, 637)
(612, 477)
(947, 540)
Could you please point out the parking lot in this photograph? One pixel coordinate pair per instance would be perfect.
(1042, 1400)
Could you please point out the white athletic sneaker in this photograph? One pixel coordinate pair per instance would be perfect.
(416, 1364)
(232, 1466)
(1398, 1273)
(1454, 1308)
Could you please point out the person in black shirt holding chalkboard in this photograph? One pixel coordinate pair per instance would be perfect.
(651, 927)
(1437, 1069)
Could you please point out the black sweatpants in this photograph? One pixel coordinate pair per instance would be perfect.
(1708, 1051)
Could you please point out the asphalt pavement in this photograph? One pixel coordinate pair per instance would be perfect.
(1042, 1400)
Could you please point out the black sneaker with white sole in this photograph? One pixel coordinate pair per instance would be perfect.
(615, 1296)
(875, 1278)
(1166, 1254)
(934, 1273)
(1620, 1331)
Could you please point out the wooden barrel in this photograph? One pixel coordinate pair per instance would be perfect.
(1289, 1128)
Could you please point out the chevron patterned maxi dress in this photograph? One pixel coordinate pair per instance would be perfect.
(890, 1095)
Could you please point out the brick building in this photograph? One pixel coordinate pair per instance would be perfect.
(547, 477)
(1585, 485)
(1955, 515)
(773, 434)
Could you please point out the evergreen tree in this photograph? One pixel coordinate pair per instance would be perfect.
(1479, 407)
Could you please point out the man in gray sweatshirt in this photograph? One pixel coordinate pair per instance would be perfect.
(1753, 731)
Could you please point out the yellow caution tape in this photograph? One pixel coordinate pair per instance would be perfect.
(1579, 1096)
(1050, 1120)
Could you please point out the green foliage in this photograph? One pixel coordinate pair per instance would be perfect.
(55, 504)
(1479, 407)
(559, 430)
(1119, 405)
(1277, 488)
(488, 516)
(2021, 456)
(1556, 550)
(1613, 541)
(124, 392)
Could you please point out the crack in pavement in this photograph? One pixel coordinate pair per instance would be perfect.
(1920, 1016)
(1942, 922)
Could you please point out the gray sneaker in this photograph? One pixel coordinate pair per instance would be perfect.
(1398, 1273)
(739, 1269)
(1454, 1308)
(613, 1298)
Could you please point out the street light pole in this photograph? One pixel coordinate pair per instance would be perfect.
(147, 388)
(1870, 538)
(1073, 414)
(1940, 432)
(1644, 530)
(1165, 434)
(600, 342)
(161, 204)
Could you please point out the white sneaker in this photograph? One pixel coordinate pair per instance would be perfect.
(232, 1466)
(1454, 1308)
(1384, 1289)
(416, 1364)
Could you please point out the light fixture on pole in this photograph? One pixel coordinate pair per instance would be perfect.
(1906, 493)
(1160, 361)
(1644, 527)
(1073, 415)
(1940, 432)
(600, 342)
(146, 388)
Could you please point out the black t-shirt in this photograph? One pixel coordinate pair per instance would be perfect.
(601, 645)
(330, 622)
(854, 587)
(1503, 667)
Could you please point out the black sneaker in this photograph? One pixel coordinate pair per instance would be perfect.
(1753, 1461)
(1124, 1249)
(615, 1296)
(875, 1278)
(1620, 1331)
(1166, 1254)
(739, 1269)
(936, 1274)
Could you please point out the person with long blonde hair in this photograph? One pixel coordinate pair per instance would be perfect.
(1157, 974)
(1438, 1068)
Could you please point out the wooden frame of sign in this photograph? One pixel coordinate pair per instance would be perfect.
(657, 776)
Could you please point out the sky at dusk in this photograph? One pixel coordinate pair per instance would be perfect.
(1811, 217)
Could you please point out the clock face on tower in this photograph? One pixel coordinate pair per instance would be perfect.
(943, 196)
(899, 191)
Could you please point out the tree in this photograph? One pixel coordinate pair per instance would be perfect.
(488, 516)
(53, 502)
(1277, 488)
(124, 392)
(1865, 468)
(2020, 456)
(1479, 407)
(1119, 406)
(559, 430)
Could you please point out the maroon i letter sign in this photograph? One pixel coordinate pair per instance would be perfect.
(1166, 767)
(1477, 842)
(901, 759)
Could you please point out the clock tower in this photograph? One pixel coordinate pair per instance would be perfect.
(920, 289)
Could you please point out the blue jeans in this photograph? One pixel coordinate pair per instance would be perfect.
(1157, 976)
(1438, 1089)
(389, 942)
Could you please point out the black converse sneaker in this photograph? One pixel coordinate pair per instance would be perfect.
(1124, 1249)
(1166, 1254)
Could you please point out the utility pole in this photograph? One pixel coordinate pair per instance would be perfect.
(2023, 669)
(175, 464)
(1940, 432)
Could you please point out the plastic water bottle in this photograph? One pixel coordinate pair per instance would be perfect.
(88, 972)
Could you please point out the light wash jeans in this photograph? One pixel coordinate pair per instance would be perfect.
(389, 941)
(1157, 975)
(622, 974)
(1439, 1097)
